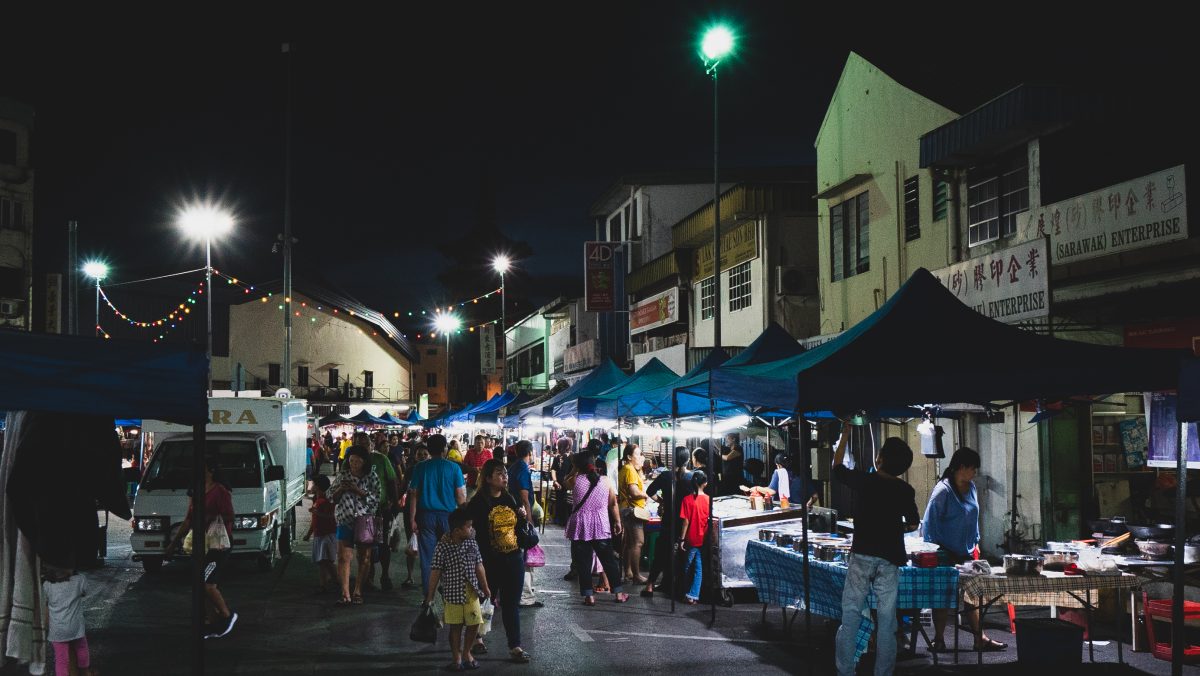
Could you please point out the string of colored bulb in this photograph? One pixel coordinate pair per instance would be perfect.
(450, 308)
(163, 324)
(234, 281)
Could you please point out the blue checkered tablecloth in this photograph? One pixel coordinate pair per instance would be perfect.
(778, 576)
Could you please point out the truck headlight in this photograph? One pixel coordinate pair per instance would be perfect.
(150, 524)
(246, 522)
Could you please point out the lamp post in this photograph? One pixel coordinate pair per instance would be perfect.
(205, 221)
(97, 271)
(716, 44)
(447, 323)
(501, 264)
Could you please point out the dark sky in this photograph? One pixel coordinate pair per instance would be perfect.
(403, 120)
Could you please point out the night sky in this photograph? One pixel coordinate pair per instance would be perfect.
(410, 128)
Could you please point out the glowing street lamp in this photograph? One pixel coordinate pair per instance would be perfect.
(206, 221)
(717, 43)
(501, 264)
(446, 324)
(97, 271)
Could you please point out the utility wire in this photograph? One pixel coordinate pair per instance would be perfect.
(151, 279)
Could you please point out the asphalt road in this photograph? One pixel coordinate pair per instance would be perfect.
(138, 624)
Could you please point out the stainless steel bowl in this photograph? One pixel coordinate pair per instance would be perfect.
(1022, 564)
(1155, 550)
(767, 534)
(784, 539)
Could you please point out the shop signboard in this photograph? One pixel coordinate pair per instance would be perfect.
(738, 245)
(1166, 433)
(600, 276)
(1143, 212)
(1010, 285)
(814, 341)
(487, 349)
(657, 310)
(581, 356)
(53, 303)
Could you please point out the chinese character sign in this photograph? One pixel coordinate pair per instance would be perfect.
(1143, 212)
(1007, 285)
(487, 349)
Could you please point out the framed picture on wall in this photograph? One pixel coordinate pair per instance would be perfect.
(1097, 435)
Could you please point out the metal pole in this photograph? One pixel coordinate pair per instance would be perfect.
(676, 499)
(287, 226)
(97, 307)
(72, 280)
(448, 400)
(1177, 628)
(1012, 539)
(503, 322)
(716, 230)
(199, 437)
(713, 568)
(208, 292)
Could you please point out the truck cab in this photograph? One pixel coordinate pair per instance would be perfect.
(259, 448)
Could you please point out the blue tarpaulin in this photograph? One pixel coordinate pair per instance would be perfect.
(77, 374)
(365, 418)
(656, 402)
(652, 375)
(601, 378)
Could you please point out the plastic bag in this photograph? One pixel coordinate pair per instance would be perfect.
(412, 544)
(535, 557)
(487, 610)
(425, 627)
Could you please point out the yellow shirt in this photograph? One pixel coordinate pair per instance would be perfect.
(345, 443)
(628, 476)
(454, 455)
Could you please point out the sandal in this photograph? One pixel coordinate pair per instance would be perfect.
(480, 648)
(648, 593)
(989, 645)
(358, 599)
(601, 590)
(454, 666)
(344, 601)
(519, 655)
(621, 597)
(470, 665)
(589, 600)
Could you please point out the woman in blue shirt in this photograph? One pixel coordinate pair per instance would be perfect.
(952, 522)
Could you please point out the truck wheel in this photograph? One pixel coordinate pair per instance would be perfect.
(286, 533)
(266, 560)
(152, 564)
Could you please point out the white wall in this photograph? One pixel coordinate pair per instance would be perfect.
(995, 480)
(674, 358)
(337, 340)
(738, 328)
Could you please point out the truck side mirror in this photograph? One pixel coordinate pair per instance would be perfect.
(275, 473)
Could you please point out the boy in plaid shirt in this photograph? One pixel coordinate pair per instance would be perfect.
(458, 566)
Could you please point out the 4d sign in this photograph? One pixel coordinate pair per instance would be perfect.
(222, 417)
(600, 276)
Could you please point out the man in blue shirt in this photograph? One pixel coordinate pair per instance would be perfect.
(520, 484)
(436, 489)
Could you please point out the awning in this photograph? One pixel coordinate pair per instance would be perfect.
(652, 375)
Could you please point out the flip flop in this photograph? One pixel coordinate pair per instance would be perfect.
(358, 599)
(990, 645)
(621, 598)
(589, 600)
(471, 665)
(344, 601)
(646, 593)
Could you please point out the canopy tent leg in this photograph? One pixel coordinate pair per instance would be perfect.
(1177, 627)
(714, 567)
(1012, 539)
(675, 499)
(199, 437)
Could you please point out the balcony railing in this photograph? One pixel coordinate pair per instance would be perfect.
(740, 201)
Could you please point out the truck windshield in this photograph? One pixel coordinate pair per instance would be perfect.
(237, 459)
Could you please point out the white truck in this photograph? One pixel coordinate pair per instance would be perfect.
(260, 447)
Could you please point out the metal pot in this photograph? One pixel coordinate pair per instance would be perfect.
(1022, 564)
(1191, 554)
(784, 539)
(1057, 559)
(1156, 550)
(1161, 531)
(767, 534)
(1111, 526)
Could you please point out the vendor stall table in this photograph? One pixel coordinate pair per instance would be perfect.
(1047, 589)
(736, 525)
(778, 576)
(1148, 572)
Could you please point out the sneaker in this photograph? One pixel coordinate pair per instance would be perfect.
(222, 631)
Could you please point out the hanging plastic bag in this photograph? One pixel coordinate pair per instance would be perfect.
(535, 557)
(412, 544)
(487, 610)
(425, 627)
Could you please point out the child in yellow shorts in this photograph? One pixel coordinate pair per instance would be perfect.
(458, 567)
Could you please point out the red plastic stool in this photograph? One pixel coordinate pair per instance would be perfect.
(1161, 608)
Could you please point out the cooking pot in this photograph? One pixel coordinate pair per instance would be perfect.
(767, 534)
(1022, 564)
(1057, 559)
(1191, 554)
(784, 539)
(1161, 531)
(825, 552)
(1156, 550)
(1111, 526)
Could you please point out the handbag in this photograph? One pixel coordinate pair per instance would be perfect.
(364, 529)
(527, 535)
(424, 628)
(535, 557)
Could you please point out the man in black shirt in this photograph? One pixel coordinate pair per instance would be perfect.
(885, 508)
(673, 485)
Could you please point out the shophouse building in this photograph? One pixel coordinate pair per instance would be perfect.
(16, 218)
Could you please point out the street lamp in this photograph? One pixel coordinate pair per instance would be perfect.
(97, 271)
(501, 264)
(716, 44)
(206, 221)
(447, 323)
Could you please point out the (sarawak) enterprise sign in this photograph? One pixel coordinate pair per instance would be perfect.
(657, 310)
(1009, 285)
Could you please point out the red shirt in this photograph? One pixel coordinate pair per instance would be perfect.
(695, 508)
(474, 460)
(323, 522)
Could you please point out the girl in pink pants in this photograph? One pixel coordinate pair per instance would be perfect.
(64, 590)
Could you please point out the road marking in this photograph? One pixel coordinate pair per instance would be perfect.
(576, 629)
(580, 633)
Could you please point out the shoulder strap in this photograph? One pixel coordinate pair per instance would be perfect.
(585, 496)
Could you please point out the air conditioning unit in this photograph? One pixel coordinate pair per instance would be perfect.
(10, 308)
(791, 280)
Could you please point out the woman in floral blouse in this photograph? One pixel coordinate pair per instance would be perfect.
(354, 493)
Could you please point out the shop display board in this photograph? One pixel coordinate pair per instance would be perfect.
(1165, 433)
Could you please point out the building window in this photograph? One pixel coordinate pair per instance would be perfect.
(912, 209)
(708, 298)
(739, 287)
(302, 376)
(995, 196)
(430, 380)
(368, 379)
(8, 146)
(7, 213)
(614, 228)
(635, 221)
(849, 237)
(273, 374)
(941, 199)
(333, 378)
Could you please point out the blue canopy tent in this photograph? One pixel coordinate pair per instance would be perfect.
(332, 419)
(414, 417)
(365, 418)
(601, 378)
(923, 346)
(654, 374)
(490, 413)
(656, 402)
(391, 419)
(696, 397)
(465, 414)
